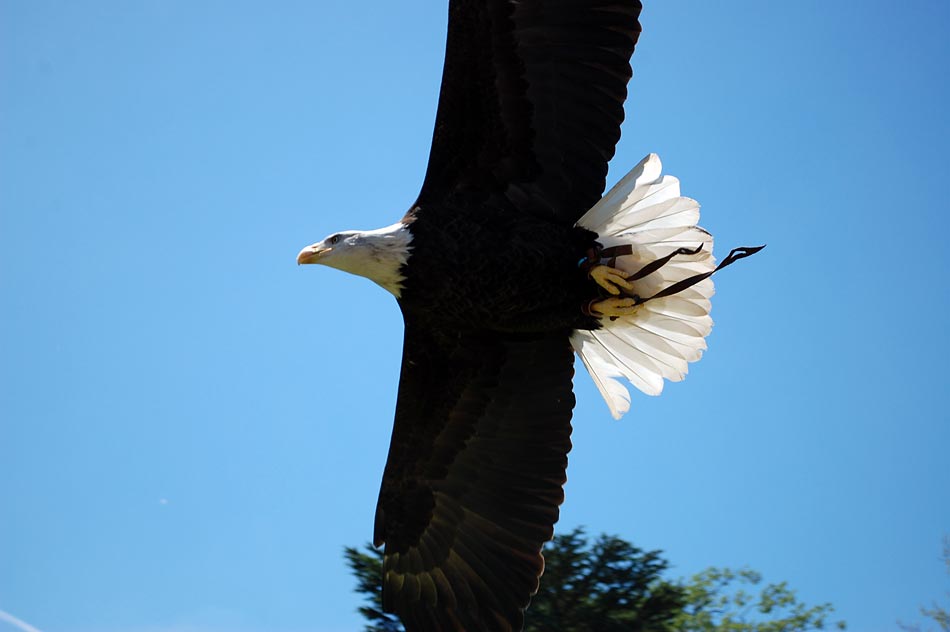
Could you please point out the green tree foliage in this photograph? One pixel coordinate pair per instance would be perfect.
(368, 568)
(609, 585)
(724, 600)
(939, 614)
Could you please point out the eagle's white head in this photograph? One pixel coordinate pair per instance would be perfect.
(379, 255)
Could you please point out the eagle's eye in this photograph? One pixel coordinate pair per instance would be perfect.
(333, 240)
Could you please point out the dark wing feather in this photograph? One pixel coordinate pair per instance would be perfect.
(531, 102)
(474, 477)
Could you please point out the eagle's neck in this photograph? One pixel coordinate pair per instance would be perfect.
(379, 255)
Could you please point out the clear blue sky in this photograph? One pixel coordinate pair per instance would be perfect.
(192, 427)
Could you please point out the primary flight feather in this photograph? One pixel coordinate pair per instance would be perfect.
(507, 264)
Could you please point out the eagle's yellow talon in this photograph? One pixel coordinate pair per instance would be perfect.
(614, 307)
(611, 279)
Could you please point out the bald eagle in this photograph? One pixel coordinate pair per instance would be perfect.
(507, 264)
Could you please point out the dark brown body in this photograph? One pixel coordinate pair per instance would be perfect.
(489, 268)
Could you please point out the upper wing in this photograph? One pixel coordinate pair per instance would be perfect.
(474, 477)
(532, 101)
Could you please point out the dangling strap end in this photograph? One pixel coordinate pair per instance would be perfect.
(739, 253)
(734, 255)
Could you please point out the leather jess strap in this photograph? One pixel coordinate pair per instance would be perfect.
(608, 256)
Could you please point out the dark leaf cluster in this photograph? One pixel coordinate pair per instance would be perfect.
(607, 586)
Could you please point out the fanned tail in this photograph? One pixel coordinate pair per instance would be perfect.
(645, 211)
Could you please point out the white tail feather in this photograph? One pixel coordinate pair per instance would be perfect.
(602, 369)
(658, 342)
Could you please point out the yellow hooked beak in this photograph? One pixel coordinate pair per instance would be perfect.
(312, 253)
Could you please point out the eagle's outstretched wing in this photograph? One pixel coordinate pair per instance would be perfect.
(529, 113)
(474, 477)
(531, 102)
